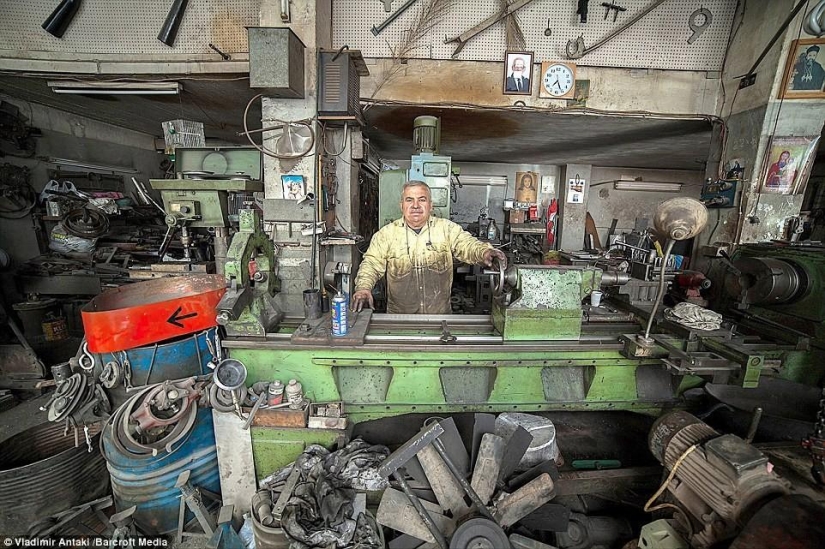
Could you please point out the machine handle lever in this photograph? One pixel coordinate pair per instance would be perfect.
(726, 260)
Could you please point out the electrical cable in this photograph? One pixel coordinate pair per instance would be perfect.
(306, 122)
(815, 21)
(648, 509)
(773, 133)
(343, 141)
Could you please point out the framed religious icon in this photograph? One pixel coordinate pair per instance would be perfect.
(518, 73)
(804, 76)
(787, 164)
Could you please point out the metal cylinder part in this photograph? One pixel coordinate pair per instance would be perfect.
(148, 481)
(767, 281)
(42, 473)
(426, 134)
(312, 304)
(61, 371)
(262, 507)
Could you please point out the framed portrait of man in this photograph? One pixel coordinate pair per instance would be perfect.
(804, 76)
(518, 73)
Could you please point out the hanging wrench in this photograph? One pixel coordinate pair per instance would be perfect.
(576, 49)
(377, 30)
(127, 372)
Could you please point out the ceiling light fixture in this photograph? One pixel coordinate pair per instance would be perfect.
(491, 180)
(115, 88)
(654, 186)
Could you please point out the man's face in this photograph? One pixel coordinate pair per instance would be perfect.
(416, 206)
(811, 56)
(518, 65)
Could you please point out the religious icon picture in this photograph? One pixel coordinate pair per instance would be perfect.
(804, 74)
(518, 73)
(527, 187)
(294, 187)
(788, 164)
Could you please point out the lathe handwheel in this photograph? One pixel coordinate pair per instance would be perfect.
(498, 289)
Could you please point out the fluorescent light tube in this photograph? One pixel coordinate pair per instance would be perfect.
(115, 88)
(647, 186)
(88, 166)
(492, 180)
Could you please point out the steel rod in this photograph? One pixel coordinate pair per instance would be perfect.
(398, 475)
(439, 447)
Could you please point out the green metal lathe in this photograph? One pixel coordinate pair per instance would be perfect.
(540, 350)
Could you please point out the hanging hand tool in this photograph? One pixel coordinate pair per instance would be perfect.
(575, 48)
(377, 30)
(581, 10)
(612, 6)
(169, 30)
(548, 31)
(705, 17)
(225, 56)
(462, 39)
(387, 5)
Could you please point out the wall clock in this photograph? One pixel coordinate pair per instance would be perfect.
(557, 80)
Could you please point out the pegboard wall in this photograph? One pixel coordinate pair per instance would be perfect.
(657, 41)
(129, 26)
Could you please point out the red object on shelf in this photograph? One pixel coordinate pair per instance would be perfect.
(552, 211)
(151, 311)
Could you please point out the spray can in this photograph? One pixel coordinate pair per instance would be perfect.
(339, 315)
(294, 394)
(276, 393)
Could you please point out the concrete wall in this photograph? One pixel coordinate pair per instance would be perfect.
(754, 114)
(78, 138)
(311, 22)
(479, 83)
(606, 203)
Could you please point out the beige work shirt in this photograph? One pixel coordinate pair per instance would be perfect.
(419, 267)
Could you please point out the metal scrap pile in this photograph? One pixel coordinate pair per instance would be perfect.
(316, 501)
(433, 504)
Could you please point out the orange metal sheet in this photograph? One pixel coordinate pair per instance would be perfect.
(151, 311)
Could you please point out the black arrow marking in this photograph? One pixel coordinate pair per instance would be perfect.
(176, 318)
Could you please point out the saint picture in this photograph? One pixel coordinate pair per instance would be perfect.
(804, 74)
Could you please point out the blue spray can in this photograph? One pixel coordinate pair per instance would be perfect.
(339, 315)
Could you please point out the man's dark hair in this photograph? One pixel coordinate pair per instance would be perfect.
(812, 48)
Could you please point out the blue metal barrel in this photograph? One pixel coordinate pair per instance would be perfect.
(149, 483)
(176, 359)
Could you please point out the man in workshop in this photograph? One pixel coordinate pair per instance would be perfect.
(416, 253)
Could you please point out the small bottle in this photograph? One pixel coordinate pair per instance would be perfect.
(276, 392)
(492, 230)
(294, 394)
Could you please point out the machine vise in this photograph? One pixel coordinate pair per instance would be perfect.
(246, 308)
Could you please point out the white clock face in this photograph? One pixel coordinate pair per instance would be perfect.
(557, 80)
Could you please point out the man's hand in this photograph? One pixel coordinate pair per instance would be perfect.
(498, 254)
(360, 297)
